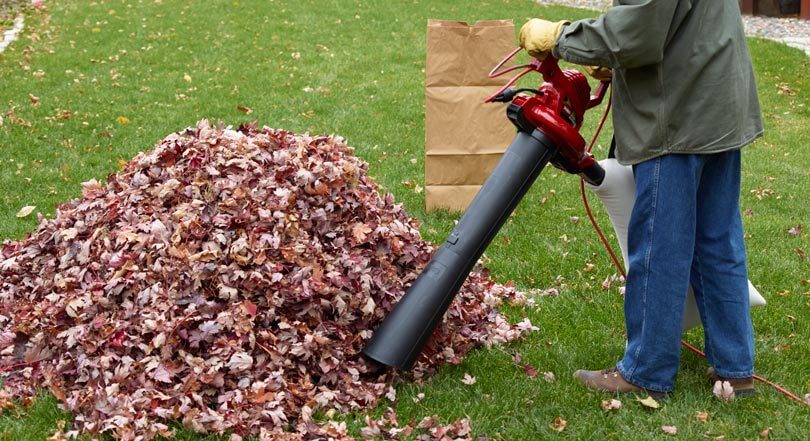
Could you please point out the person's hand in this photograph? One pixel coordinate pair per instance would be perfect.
(537, 36)
(599, 72)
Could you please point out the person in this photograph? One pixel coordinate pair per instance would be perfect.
(685, 104)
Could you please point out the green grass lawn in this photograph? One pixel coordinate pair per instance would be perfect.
(111, 78)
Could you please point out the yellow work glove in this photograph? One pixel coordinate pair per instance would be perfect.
(537, 36)
(599, 72)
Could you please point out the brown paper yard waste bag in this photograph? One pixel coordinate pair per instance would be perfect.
(464, 137)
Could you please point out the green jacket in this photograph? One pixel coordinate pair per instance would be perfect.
(682, 75)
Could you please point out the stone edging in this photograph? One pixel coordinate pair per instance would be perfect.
(12, 34)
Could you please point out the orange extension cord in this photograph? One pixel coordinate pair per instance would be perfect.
(620, 267)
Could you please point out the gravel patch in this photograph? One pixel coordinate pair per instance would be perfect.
(790, 31)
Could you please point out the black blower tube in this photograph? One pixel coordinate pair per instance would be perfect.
(404, 332)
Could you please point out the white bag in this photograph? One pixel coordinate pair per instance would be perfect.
(617, 193)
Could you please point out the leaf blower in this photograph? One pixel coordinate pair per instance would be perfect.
(548, 122)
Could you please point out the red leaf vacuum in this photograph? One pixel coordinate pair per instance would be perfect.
(548, 123)
(548, 120)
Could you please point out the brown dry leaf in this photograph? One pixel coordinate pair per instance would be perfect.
(558, 425)
(766, 433)
(530, 370)
(245, 109)
(25, 211)
(701, 416)
(57, 392)
(648, 402)
(762, 193)
(360, 232)
(59, 434)
(784, 89)
(34, 100)
(611, 404)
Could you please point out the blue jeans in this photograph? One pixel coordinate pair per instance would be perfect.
(686, 227)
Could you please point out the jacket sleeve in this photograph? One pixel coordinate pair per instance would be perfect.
(632, 34)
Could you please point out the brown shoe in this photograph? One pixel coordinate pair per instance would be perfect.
(610, 380)
(743, 387)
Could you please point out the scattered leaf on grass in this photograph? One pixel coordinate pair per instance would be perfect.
(670, 430)
(611, 404)
(59, 434)
(648, 402)
(468, 379)
(795, 231)
(122, 120)
(558, 425)
(784, 89)
(245, 109)
(765, 434)
(723, 390)
(530, 370)
(25, 211)
(701, 416)
(549, 376)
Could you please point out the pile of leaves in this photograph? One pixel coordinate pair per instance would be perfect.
(228, 280)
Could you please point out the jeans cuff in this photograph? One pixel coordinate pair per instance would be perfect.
(734, 374)
(640, 383)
